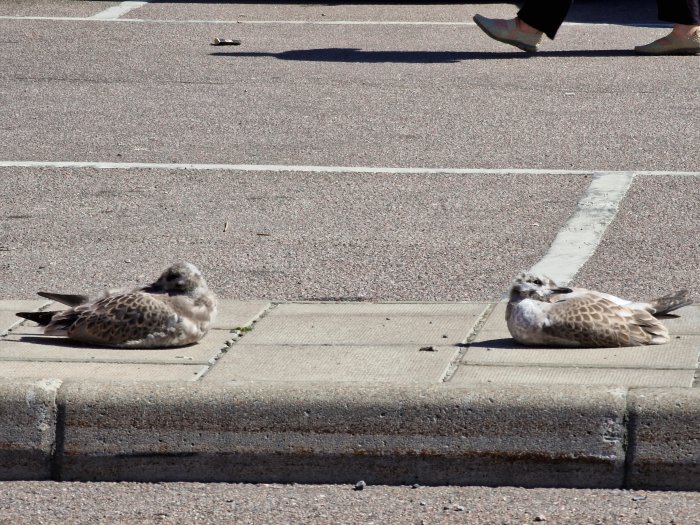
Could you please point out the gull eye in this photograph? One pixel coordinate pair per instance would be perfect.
(537, 282)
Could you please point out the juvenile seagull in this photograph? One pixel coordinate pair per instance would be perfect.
(541, 313)
(176, 310)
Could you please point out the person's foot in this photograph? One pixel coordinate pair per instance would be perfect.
(673, 44)
(509, 32)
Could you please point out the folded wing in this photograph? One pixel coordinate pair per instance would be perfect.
(130, 319)
(594, 321)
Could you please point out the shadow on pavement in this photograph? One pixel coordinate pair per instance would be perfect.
(504, 343)
(54, 341)
(63, 342)
(417, 57)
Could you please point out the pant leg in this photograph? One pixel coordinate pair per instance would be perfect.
(685, 12)
(546, 15)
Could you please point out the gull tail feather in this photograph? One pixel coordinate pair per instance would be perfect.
(42, 318)
(67, 299)
(669, 303)
(654, 331)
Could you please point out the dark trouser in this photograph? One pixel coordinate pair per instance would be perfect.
(548, 15)
(685, 12)
(545, 15)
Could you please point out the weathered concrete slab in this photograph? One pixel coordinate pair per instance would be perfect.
(664, 452)
(686, 320)
(27, 428)
(366, 324)
(233, 314)
(29, 344)
(680, 353)
(277, 432)
(392, 364)
(8, 319)
(630, 377)
(100, 372)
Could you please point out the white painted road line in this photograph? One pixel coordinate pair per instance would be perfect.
(110, 17)
(579, 238)
(115, 12)
(329, 169)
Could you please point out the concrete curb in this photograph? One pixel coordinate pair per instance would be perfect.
(27, 428)
(664, 450)
(572, 436)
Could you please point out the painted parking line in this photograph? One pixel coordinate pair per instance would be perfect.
(112, 18)
(579, 238)
(117, 11)
(329, 169)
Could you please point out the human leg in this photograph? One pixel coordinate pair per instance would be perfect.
(545, 15)
(537, 17)
(680, 12)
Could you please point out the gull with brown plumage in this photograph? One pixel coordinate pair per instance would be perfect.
(541, 313)
(176, 310)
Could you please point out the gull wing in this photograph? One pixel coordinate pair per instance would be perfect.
(119, 320)
(594, 321)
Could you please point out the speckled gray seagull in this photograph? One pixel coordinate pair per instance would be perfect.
(176, 310)
(541, 313)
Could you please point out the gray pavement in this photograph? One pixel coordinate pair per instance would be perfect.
(378, 349)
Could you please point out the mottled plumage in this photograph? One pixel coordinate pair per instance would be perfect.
(176, 310)
(541, 313)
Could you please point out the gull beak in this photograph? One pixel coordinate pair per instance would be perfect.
(561, 289)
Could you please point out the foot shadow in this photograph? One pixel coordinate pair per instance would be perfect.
(339, 54)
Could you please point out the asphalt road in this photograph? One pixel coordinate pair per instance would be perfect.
(370, 86)
(349, 95)
(50, 502)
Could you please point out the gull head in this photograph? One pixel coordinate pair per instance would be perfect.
(536, 287)
(181, 278)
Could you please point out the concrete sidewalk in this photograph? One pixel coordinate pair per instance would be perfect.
(431, 393)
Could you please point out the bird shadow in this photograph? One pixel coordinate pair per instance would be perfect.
(63, 342)
(341, 54)
(56, 341)
(503, 343)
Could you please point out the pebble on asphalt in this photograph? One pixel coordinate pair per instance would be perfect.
(360, 485)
